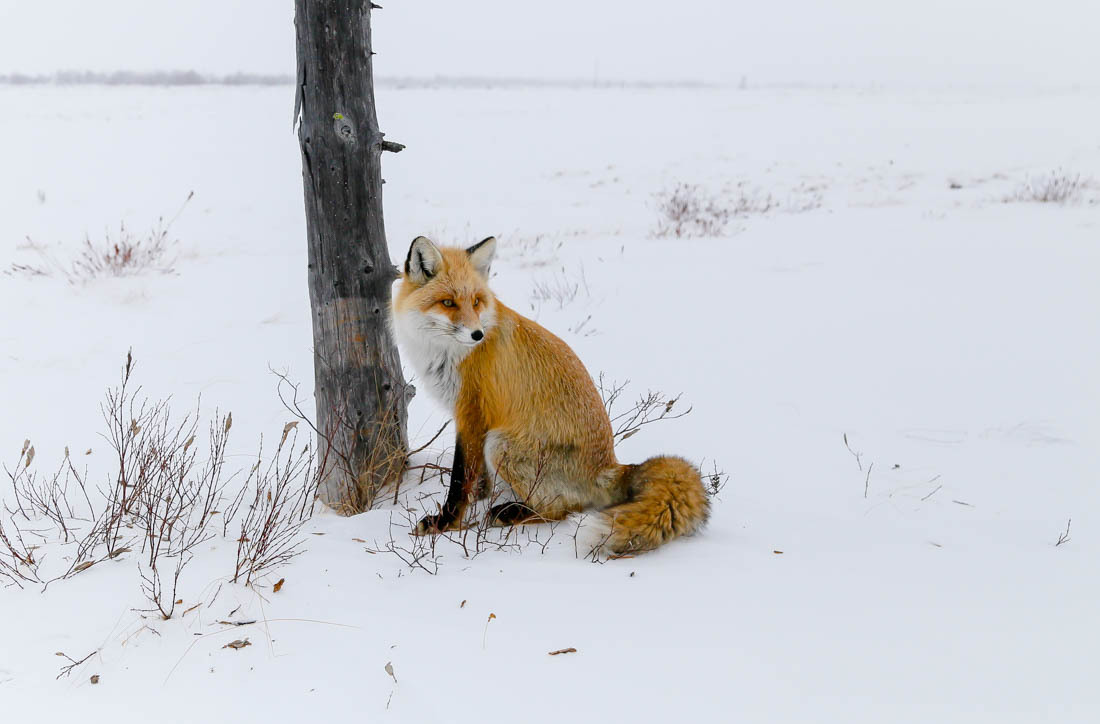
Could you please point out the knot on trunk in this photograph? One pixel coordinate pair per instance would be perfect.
(343, 128)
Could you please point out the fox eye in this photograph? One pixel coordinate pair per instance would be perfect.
(448, 303)
(476, 301)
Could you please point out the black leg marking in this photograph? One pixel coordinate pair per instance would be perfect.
(456, 495)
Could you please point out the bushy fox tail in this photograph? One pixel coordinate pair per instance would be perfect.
(664, 499)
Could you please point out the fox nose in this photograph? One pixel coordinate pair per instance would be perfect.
(477, 334)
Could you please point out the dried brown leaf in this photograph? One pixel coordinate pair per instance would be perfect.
(286, 430)
(278, 585)
(569, 650)
(238, 644)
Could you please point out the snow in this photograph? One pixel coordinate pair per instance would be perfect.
(949, 335)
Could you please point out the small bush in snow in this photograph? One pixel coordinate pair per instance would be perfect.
(162, 500)
(282, 499)
(687, 211)
(127, 254)
(1056, 187)
(560, 289)
(156, 499)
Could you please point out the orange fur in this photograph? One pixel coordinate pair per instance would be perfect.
(528, 413)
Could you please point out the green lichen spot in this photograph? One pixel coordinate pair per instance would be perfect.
(338, 116)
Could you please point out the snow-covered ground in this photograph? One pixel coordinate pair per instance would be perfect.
(893, 297)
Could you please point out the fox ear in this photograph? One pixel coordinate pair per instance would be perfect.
(481, 255)
(423, 262)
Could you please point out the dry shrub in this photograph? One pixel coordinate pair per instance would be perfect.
(687, 211)
(61, 500)
(647, 409)
(158, 499)
(690, 211)
(174, 502)
(122, 255)
(280, 505)
(1056, 187)
(562, 289)
(162, 498)
(358, 477)
(128, 254)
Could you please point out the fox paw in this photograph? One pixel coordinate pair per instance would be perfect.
(512, 513)
(431, 525)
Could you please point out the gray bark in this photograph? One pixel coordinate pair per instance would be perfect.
(360, 391)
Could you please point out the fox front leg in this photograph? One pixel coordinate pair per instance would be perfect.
(458, 495)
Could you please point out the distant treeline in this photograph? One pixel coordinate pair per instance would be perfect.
(443, 81)
(194, 78)
(157, 77)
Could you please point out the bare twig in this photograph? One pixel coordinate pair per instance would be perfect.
(1064, 537)
(433, 439)
(649, 408)
(397, 487)
(932, 493)
(73, 663)
(855, 454)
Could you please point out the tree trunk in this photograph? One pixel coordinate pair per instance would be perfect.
(360, 391)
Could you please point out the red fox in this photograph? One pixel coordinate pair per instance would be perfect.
(527, 412)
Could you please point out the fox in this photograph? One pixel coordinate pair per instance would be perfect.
(527, 413)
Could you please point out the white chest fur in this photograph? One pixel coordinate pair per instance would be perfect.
(433, 357)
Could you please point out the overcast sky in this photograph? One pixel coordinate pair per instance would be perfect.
(935, 42)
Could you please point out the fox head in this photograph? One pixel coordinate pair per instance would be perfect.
(444, 293)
